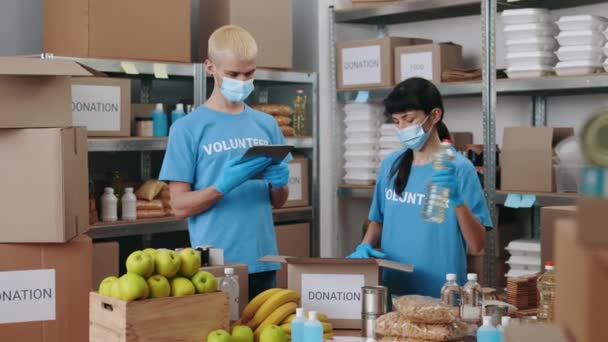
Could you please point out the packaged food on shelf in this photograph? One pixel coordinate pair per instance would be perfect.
(525, 16)
(525, 248)
(581, 53)
(390, 142)
(364, 166)
(150, 189)
(273, 109)
(582, 37)
(522, 59)
(360, 156)
(150, 205)
(361, 143)
(530, 265)
(360, 178)
(530, 71)
(287, 131)
(576, 68)
(151, 213)
(523, 31)
(582, 22)
(532, 44)
(423, 309)
(395, 325)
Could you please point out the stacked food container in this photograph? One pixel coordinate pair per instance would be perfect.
(525, 257)
(581, 41)
(363, 122)
(388, 140)
(529, 42)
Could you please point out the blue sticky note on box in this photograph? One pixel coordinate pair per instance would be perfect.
(513, 201)
(362, 96)
(527, 201)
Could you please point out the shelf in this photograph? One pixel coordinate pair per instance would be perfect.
(303, 142)
(355, 191)
(542, 199)
(115, 66)
(453, 89)
(270, 75)
(286, 215)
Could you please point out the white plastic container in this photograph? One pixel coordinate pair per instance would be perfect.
(584, 37)
(524, 31)
(519, 263)
(109, 206)
(524, 248)
(385, 152)
(525, 16)
(581, 53)
(360, 178)
(605, 65)
(532, 44)
(363, 108)
(361, 166)
(530, 71)
(581, 22)
(573, 68)
(519, 59)
(128, 204)
(518, 273)
(367, 144)
(389, 143)
(388, 129)
(361, 156)
(568, 177)
(362, 125)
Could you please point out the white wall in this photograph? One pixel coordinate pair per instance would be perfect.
(20, 27)
(341, 219)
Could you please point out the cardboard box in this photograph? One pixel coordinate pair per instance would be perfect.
(44, 184)
(45, 291)
(368, 64)
(242, 273)
(187, 318)
(292, 240)
(530, 149)
(135, 29)
(270, 22)
(537, 332)
(105, 261)
(299, 195)
(592, 222)
(461, 140)
(102, 105)
(548, 218)
(581, 281)
(333, 286)
(36, 92)
(427, 61)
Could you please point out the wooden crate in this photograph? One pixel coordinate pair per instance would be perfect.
(184, 319)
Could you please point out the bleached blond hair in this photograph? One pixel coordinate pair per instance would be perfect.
(234, 39)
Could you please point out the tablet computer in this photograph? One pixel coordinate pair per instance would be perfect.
(276, 152)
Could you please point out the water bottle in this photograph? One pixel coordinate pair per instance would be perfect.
(129, 205)
(313, 330)
(504, 323)
(299, 113)
(471, 308)
(297, 326)
(230, 285)
(437, 197)
(178, 113)
(159, 121)
(487, 332)
(451, 293)
(109, 205)
(546, 291)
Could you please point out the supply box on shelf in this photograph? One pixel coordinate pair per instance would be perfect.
(367, 64)
(36, 93)
(188, 318)
(530, 149)
(428, 61)
(102, 105)
(44, 184)
(45, 289)
(333, 286)
(298, 183)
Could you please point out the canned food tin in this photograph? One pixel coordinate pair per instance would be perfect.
(374, 300)
(368, 325)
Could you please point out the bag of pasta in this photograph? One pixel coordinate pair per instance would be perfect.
(394, 324)
(423, 309)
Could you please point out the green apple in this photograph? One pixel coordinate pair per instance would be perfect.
(151, 252)
(159, 286)
(273, 333)
(181, 287)
(133, 287)
(105, 287)
(191, 262)
(140, 263)
(115, 290)
(219, 336)
(242, 333)
(204, 282)
(167, 263)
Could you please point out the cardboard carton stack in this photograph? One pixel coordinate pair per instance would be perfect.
(45, 261)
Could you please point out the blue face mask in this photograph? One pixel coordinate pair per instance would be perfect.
(413, 137)
(236, 90)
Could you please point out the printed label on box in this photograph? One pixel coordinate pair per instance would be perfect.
(96, 107)
(295, 182)
(336, 295)
(417, 65)
(361, 65)
(27, 296)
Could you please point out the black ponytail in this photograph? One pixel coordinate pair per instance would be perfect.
(412, 94)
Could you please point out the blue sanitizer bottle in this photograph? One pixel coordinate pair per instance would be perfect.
(297, 326)
(159, 121)
(313, 330)
(487, 332)
(178, 113)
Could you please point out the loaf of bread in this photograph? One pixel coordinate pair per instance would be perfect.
(150, 205)
(147, 214)
(283, 120)
(273, 109)
(287, 131)
(150, 189)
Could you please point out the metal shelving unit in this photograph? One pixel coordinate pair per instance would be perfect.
(542, 199)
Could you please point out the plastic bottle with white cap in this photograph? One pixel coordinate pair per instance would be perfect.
(231, 285)
(487, 332)
(159, 121)
(472, 300)
(297, 326)
(451, 293)
(313, 329)
(178, 113)
(109, 205)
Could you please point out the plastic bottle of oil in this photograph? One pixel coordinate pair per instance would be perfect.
(299, 113)
(546, 290)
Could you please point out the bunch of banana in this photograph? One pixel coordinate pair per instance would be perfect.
(327, 327)
(270, 307)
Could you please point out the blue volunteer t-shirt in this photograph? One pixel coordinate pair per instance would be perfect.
(433, 249)
(241, 222)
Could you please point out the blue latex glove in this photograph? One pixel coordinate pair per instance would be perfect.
(234, 173)
(447, 178)
(366, 251)
(277, 175)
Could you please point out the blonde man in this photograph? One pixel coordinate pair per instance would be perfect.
(225, 207)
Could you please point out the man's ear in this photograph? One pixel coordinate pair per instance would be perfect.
(210, 67)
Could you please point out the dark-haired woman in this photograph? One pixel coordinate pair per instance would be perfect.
(434, 250)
